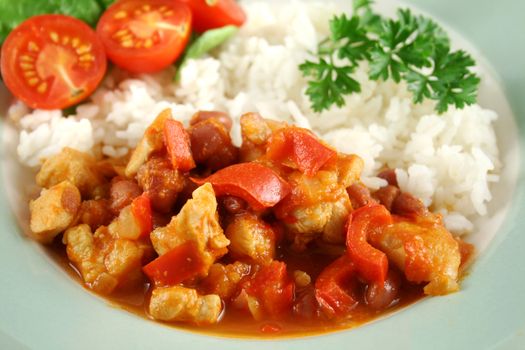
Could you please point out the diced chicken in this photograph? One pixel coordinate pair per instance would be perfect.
(125, 225)
(184, 305)
(251, 238)
(255, 131)
(223, 280)
(161, 182)
(310, 207)
(104, 261)
(153, 140)
(54, 211)
(424, 250)
(307, 224)
(197, 221)
(349, 168)
(333, 232)
(77, 167)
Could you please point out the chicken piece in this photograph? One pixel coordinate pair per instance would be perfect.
(309, 207)
(77, 167)
(152, 141)
(333, 231)
(95, 213)
(197, 221)
(255, 131)
(54, 211)
(184, 305)
(251, 238)
(349, 168)
(161, 182)
(424, 250)
(223, 280)
(105, 262)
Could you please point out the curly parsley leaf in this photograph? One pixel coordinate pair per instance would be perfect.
(329, 85)
(408, 48)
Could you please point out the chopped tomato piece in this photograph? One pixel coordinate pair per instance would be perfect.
(257, 184)
(299, 148)
(210, 14)
(177, 142)
(141, 210)
(52, 61)
(372, 264)
(272, 287)
(333, 285)
(178, 265)
(145, 36)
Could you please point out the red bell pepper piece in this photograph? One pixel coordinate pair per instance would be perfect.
(177, 142)
(176, 266)
(331, 288)
(272, 287)
(372, 264)
(300, 148)
(257, 184)
(141, 210)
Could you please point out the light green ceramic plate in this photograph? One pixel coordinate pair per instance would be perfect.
(42, 308)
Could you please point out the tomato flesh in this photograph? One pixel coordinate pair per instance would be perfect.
(144, 36)
(52, 61)
(210, 14)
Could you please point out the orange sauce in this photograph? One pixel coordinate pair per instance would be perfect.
(238, 324)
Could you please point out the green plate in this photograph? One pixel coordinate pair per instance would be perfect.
(42, 308)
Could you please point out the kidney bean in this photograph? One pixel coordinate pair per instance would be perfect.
(380, 297)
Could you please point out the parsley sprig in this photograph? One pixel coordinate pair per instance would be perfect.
(410, 48)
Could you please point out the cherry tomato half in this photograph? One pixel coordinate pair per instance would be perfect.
(209, 14)
(52, 61)
(145, 36)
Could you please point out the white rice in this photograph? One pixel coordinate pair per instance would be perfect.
(448, 161)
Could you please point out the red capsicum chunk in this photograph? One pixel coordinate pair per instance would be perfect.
(141, 210)
(177, 143)
(372, 264)
(257, 184)
(332, 288)
(272, 287)
(176, 266)
(299, 148)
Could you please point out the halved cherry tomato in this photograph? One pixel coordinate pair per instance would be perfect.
(257, 184)
(177, 142)
(372, 264)
(209, 14)
(333, 288)
(145, 36)
(177, 265)
(52, 61)
(299, 148)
